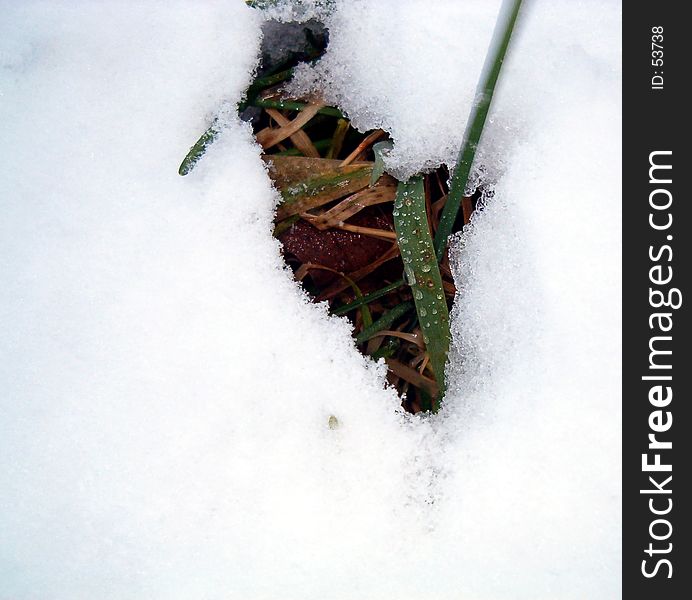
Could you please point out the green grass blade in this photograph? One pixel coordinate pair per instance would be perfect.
(322, 188)
(388, 349)
(319, 146)
(423, 274)
(293, 105)
(474, 129)
(342, 127)
(380, 149)
(365, 309)
(198, 149)
(368, 298)
(262, 83)
(208, 137)
(285, 225)
(384, 322)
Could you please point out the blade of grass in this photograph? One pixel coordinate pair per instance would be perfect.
(317, 191)
(474, 129)
(300, 139)
(388, 349)
(208, 137)
(414, 378)
(367, 298)
(319, 146)
(423, 274)
(408, 337)
(262, 83)
(285, 225)
(198, 149)
(383, 191)
(381, 234)
(370, 139)
(269, 137)
(292, 105)
(380, 149)
(342, 126)
(365, 310)
(289, 171)
(384, 322)
(335, 288)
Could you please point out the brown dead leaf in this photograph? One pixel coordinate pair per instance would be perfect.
(308, 183)
(271, 136)
(300, 139)
(383, 191)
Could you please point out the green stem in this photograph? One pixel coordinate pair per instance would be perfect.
(292, 105)
(367, 298)
(474, 129)
(198, 149)
(342, 126)
(384, 322)
(262, 83)
(319, 145)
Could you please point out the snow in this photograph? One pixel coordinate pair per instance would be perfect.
(420, 91)
(166, 389)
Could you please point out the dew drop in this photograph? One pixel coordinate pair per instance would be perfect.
(423, 312)
(418, 295)
(425, 268)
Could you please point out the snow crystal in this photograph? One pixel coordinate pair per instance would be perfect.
(179, 421)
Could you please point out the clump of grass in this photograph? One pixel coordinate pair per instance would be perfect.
(372, 247)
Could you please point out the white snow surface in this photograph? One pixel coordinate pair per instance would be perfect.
(165, 387)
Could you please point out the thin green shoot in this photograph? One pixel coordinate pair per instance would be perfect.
(337, 142)
(198, 149)
(262, 83)
(319, 145)
(364, 309)
(384, 322)
(367, 298)
(293, 105)
(474, 129)
(380, 150)
(387, 350)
